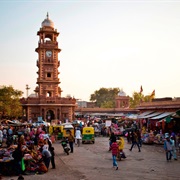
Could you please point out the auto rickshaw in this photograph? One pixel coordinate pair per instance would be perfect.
(66, 129)
(88, 135)
(56, 130)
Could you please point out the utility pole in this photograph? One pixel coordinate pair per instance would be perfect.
(27, 89)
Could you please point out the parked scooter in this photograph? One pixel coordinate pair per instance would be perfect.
(65, 145)
(121, 155)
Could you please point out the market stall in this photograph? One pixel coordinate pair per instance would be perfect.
(148, 138)
(159, 139)
(31, 162)
(24, 144)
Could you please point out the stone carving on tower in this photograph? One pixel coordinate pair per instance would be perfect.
(48, 103)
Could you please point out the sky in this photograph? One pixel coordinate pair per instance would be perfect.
(105, 44)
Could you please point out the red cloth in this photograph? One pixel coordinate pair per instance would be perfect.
(114, 148)
(163, 124)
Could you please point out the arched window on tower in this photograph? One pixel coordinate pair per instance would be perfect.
(49, 94)
(48, 38)
(48, 75)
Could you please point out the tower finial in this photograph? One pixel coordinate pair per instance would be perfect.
(47, 15)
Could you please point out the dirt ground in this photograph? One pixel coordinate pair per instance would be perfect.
(94, 161)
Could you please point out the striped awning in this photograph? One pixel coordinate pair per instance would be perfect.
(163, 115)
(151, 115)
(144, 114)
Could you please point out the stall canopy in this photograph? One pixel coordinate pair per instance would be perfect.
(144, 114)
(107, 114)
(151, 115)
(163, 115)
(177, 114)
(132, 116)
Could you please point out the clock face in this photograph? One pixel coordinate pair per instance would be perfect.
(48, 53)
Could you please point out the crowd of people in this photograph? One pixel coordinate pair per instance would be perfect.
(29, 148)
(32, 149)
(171, 143)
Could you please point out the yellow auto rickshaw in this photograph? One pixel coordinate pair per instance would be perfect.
(66, 129)
(56, 130)
(88, 135)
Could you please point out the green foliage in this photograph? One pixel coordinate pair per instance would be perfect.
(10, 105)
(137, 98)
(148, 98)
(105, 97)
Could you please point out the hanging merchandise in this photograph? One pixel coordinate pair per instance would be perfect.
(168, 119)
(163, 124)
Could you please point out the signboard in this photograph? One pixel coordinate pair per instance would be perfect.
(40, 119)
(108, 123)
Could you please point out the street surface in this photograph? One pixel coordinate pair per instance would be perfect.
(94, 161)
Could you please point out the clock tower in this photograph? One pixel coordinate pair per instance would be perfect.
(47, 103)
(48, 62)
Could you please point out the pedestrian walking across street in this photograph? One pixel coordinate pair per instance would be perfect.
(78, 136)
(114, 150)
(168, 147)
(134, 139)
(71, 141)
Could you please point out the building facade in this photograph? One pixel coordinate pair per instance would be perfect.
(47, 102)
(122, 101)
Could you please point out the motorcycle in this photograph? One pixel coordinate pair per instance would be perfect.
(65, 146)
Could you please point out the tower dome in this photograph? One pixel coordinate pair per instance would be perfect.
(121, 93)
(47, 22)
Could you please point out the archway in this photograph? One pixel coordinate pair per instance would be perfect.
(49, 115)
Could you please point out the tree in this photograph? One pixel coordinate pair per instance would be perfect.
(10, 105)
(105, 97)
(137, 98)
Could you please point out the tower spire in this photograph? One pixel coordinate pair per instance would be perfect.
(47, 15)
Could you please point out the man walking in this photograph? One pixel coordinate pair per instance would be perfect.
(78, 136)
(134, 139)
(168, 147)
(71, 141)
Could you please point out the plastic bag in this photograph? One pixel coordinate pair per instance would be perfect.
(22, 164)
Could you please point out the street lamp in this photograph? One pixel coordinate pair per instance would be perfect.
(27, 89)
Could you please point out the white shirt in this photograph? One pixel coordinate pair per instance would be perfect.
(78, 134)
(46, 146)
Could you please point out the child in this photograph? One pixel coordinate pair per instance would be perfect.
(114, 149)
